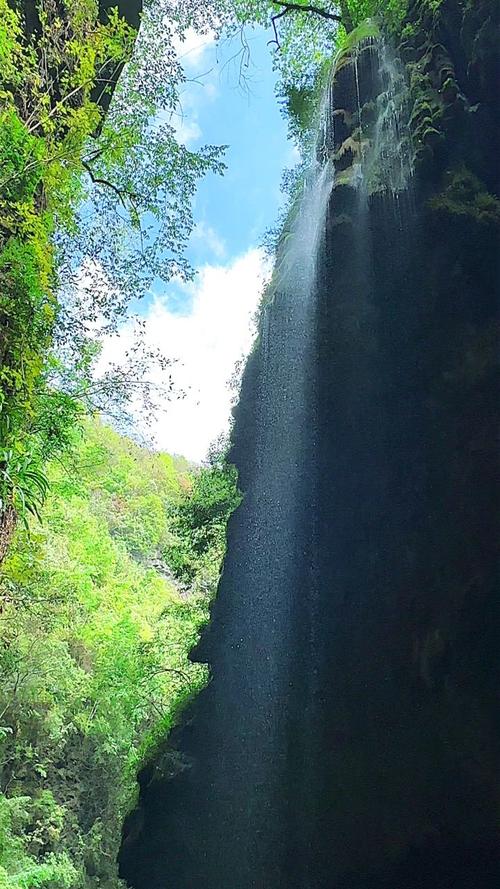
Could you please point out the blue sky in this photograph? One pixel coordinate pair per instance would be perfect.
(231, 212)
(206, 325)
(241, 205)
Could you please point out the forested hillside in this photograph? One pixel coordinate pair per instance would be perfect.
(99, 607)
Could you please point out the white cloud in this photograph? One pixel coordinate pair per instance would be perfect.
(188, 131)
(192, 49)
(205, 234)
(196, 55)
(207, 342)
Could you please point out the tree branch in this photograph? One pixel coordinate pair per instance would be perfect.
(274, 19)
(316, 10)
(299, 7)
(175, 672)
(121, 194)
(98, 181)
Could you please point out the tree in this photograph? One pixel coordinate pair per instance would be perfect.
(199, 522)
(305, 35)
(94, 203)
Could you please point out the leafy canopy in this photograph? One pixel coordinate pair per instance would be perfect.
(94, 204)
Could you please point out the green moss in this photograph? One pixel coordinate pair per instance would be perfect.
(431, 135)
(465, 195)
(409, 31)
(367, 30)
(450, 89)
(422, 112)
(428, 106)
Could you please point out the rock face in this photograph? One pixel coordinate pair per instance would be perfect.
(374, 636)
(130, 10)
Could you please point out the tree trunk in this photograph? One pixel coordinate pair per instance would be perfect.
(346, 16)
(8, 520)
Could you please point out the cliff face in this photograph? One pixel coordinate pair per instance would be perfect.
(374, 635)
(409, 510)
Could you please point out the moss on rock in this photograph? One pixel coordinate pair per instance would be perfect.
(465, 195)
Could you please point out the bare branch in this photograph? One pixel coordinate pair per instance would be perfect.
(316, 10)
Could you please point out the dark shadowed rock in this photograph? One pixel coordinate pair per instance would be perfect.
(350, 736)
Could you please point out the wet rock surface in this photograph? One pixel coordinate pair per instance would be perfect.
(350, 736)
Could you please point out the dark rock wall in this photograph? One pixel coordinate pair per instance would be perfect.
(388, 773)
(130, 10)
(409, 512)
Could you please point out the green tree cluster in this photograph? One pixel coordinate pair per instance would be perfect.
(94, 643)
(94, 203)
(199, 522)
(47, 111)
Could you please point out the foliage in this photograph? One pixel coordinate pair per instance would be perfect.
(47, 113)
(304, 40)
(199, 523)
(40, 818)
(22, 484)
(134, 217)
(94, 203)
(465, 195)
(94, 639)
(391, 12)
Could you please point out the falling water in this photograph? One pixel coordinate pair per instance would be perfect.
(391, 161)
(247, 801)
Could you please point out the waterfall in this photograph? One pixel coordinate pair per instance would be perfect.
(391, 161)
(244, 808)
(287, 770)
